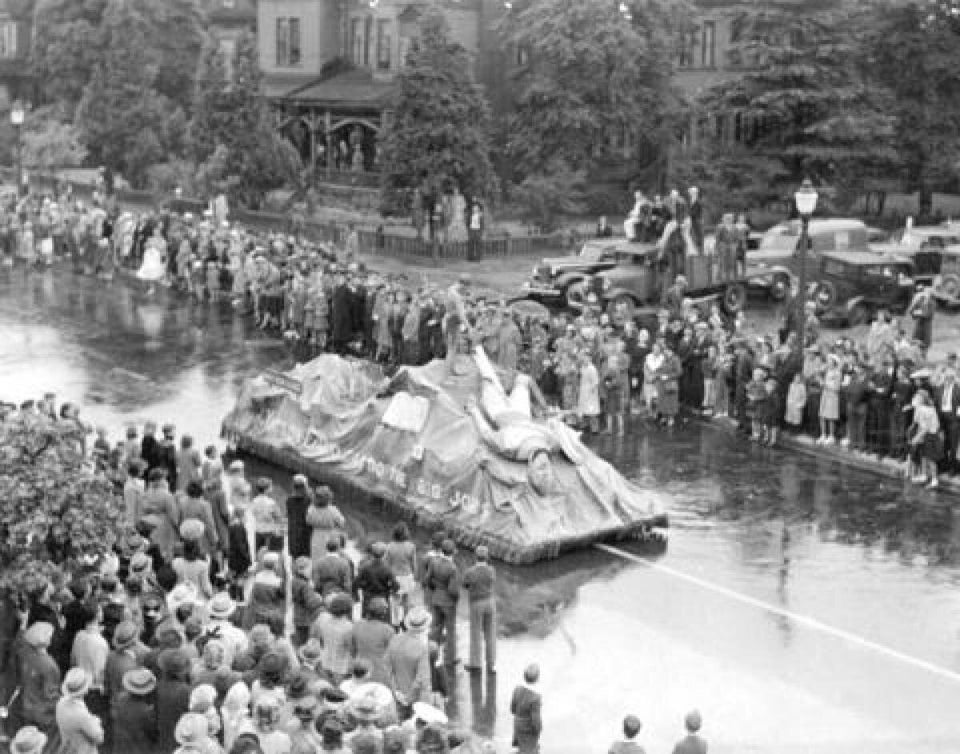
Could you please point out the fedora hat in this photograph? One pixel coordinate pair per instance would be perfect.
(39, 634)
(365, 709)
(192, 529)
(311, 652)
(139, 563)
(173, 662)
(76, 683)
(139, 682)
(428, 714)
(418, 620)
(29, 740)
(125, 634)
(221, 606)
(191, 730)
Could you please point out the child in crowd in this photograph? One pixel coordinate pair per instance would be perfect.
(796, 401)
(756, 394)
(771, 413)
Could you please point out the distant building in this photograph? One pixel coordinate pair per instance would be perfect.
(329, 68)
(227, 20)
(16, 31)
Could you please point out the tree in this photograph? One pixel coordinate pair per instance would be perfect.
(546, 195)
(914, 51)
(804, 100)
(66, 48)
(45, 490)
(126, 124)
(213, 105)
(593, 71)
(177, 34)
(439, 136)
(49, 142)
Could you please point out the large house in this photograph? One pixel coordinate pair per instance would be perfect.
(227, 20)
(329, 68)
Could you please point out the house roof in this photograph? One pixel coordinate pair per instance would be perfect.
(356, 88)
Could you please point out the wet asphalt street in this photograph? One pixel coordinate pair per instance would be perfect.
(802, 607)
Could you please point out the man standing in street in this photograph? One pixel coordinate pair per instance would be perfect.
(525, 707)
(479, 580)
(444, 582)
(375, 579)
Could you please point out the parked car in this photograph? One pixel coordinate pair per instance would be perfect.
(637, 280)
(776, 261)
(561, 280)
(946, 283)
(852, 286)
(924, 244)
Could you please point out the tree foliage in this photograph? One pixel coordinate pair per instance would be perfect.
(804, 99)
(45, 488)
(591, 73)
(545, 196)
(439, 136)
(49, 142)
(126, 124)
(66, 48)
(913, 51)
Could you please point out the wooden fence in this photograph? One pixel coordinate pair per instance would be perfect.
(390, 245)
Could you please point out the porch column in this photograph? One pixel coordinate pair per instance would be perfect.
(327, 123)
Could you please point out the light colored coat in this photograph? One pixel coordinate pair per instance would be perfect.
(80, 731)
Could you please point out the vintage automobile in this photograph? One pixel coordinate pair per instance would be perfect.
(946, 283)
(924, 244)
(776, 261)
(561, 280)
(852, 286)
(638, 280)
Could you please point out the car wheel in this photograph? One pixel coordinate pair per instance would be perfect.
(734, 298)
(859, 315)
(575, 294)
(950, 286)
(825, 294)
(779, 287)
(623, 303)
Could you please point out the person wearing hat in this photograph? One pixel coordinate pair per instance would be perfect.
(307, 603)
(196, 510)
(122, 658)
(40, 678)
(371, 636)
(192, 733)
(310, 655)
(297, 505)
(444, 579)
(173, 695)
(134, 716)
(326, 523)
(629, 745)
(267, 714)
(375, 579)
(29, 740)
(693, 742)
(167, 455)
(525, 707)
(80, 731)
(134, 489)
(408, 660)
(161, 512)
(479, 580)
(366, 713)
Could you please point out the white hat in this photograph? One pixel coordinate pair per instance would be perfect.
(428, 714)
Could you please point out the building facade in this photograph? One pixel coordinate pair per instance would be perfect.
(16, 31)
(227, 20)
(329, 68)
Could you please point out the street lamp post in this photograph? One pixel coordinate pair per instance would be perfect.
(806, 200)
(17, 115)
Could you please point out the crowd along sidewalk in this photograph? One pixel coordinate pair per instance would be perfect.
(886, 467)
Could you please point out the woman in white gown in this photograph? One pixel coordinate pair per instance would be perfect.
(154, 265)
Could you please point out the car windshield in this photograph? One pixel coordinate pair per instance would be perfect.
(780, 238)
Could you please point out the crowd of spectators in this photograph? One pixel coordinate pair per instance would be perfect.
(226, 619)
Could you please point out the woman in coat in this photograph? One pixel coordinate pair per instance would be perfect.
(588, 398)
(668, 387)
(80, 731)
(38, 677)
(161, 511)
(326, 521)
(134, 714)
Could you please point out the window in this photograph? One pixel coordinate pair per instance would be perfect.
(383, 45)
(688, 44)
(367, 40)
(356, 34)
(8, 40)
(708, 44)
(288, 42)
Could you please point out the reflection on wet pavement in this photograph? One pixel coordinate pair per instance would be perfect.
(857, 552)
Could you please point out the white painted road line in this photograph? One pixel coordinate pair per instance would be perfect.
(803, 620)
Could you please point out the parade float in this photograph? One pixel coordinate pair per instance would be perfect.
(453, 443)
